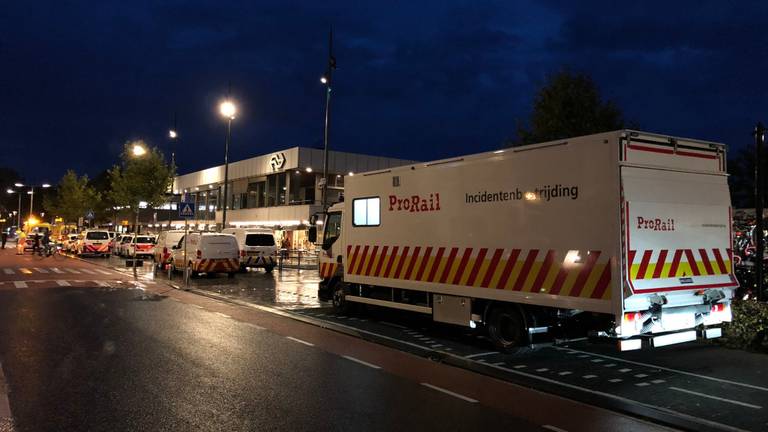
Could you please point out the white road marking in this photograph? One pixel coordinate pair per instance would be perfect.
(20, 284)
(257, 327)
(84, 270)
(300, 341)
(589, 376)
(198, 306)
(63, 283)
(542, 370)
(57, 270)
(620, 398)
(564, 373)
(364, 363)
(609, 365)
(8, 271)
(448, 392)
(73, 271)
(481, 354)
(101, 283)
(103, 272)
(624, 370)
(222, 315)
(642, 384)
(658, 381)
(498, 363)
(652, 366)
(641, 375)
(41, 270)
(519, 366)
(615, 380)
(744, 404)
(596, 360)
(553, 428)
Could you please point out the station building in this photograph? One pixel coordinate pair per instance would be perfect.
(279, 190)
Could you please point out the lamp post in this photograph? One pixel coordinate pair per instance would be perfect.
(173, 135)
(31, 193)
(327, 80)
(228, 110)
(137, 151)
(18, 213)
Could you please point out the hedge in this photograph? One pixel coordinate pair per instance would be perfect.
(749, 327)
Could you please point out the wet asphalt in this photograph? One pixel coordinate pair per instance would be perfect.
(119, 359)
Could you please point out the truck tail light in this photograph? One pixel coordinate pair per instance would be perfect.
(718, 307)
(199, 254)
(242, 252)
(631, 317)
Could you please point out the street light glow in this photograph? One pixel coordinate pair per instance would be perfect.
(228, 109)
(18, 184)
(138, 150)
(324, 80)
(172, 133)
(46, 185)
(309, 169)
(10, 191)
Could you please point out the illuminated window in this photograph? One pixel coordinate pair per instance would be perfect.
(365, 211)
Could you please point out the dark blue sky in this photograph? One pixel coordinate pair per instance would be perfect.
(418, 80)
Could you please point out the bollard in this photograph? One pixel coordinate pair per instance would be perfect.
(299, 266)
(280, 263)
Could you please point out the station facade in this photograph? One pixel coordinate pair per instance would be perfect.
(279, 190)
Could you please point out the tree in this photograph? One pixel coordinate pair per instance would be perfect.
(142, 176)
(741, 167)
(74, 197)
(568, 105)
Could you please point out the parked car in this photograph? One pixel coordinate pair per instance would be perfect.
(118, 241)
(70, 243)
(141, 246)
(93, 242)
(166, 240)
(207, 253)
(125, 241)
(258, 247)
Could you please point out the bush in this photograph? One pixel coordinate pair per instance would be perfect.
(749, 327)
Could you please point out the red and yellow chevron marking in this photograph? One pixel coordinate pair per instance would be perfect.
(678, 263)
(328, 269)
(222, 265)
(88, 248)
(540, 271)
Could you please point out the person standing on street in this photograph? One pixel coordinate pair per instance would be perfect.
(36, 243)
(21, 241)
(4, 238)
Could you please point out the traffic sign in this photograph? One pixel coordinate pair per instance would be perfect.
(89, 215)
(186, 210)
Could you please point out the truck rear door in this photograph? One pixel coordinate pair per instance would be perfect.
(677, 222)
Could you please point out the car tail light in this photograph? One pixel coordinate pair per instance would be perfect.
(718, 307)
(242, 252)
(199, 254)
(633, 316)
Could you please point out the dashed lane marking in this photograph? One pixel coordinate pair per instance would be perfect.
(364, 363)
(641, 375)
(519, 366)
(103, 272)
(102, 283)
(300, 341)
(8, 271)
(615, 380)
(222, 315)
(481, 354)
(652, 366)
(448, 392)
(744, 404)
(542, 369)
(56, 270)
(658, 381)
(624, 370)
(20, 284)
(564, 373)
(198, 306)
(554, 428)
(73, 271)
(63, 283)
(88, 271)
(589, 376)
(40, 270)
(642, 384)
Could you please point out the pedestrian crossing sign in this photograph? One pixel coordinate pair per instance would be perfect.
(186, 210)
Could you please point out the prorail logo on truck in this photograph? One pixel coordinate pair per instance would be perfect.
(415, 203)
(656, 224)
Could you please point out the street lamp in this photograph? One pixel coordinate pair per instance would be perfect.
(228, 110)
(327, 81)
(18, 214)
(31, 193)
(173, 135)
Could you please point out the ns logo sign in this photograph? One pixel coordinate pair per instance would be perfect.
(277, 161)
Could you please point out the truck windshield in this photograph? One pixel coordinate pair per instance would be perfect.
(332, 228)
(97, 235)
(259, 240)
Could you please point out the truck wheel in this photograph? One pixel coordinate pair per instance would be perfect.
(506, 327)
(340, 304)
(269, 269)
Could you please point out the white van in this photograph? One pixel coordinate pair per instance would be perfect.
(122, 246)
(94, 242)
(207, 253)
(258, 247)
(165, 241)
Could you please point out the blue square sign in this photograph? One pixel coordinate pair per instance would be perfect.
(186, 210)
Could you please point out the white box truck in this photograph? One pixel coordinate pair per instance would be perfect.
(629, 226)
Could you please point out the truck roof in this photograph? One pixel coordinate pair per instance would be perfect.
(528, 147)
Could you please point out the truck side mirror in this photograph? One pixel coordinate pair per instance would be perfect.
(312, 234)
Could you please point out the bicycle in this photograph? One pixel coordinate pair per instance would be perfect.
(50, 250)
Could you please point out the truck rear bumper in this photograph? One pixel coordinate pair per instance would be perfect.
(657, 341)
